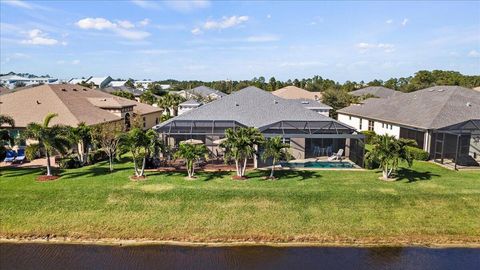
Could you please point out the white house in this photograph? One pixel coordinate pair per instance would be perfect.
(188, 106)
(443, 120)
(10, 80)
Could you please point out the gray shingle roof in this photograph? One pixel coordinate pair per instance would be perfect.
(112, 89)
(378, 91)
(205, 91)
(252, 107)
(430, 108)
(191, 102)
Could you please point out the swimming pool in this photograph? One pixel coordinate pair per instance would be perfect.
(319, 164)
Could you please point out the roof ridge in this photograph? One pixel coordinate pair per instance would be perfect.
(63, 104)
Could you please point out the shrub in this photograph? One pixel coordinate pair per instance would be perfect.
(69, 163)
(32, 151)
(96, 156)
(369, 134)
(418, 154)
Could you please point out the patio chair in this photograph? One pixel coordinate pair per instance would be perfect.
(337, 156)
(329, 150)
(10, 156)
(20, 155)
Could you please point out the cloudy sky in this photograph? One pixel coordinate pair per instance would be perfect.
(209, 40)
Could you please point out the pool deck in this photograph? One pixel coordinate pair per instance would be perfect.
(355, 166)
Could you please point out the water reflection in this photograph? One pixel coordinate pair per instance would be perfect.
(63, 256)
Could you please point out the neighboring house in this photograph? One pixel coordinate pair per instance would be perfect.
(310, 100)
(315, 106)
(136, 93)
(306, 131)
(74, 104)
(293, 92)
(143, 83)
(100, 82)
(202, 92)
(443, 120)
(377, 91)
(78, 80)
(188, 106)
(117, 83)
(10, 80)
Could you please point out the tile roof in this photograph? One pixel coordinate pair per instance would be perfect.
(73, 103)
(430, 108)
(293, 92)
(252, 107)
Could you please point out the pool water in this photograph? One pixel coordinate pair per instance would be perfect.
(318, 164)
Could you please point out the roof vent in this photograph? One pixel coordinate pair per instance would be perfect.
(75, 89)
(64, 90)
(440, 90)
(469, 104)
(38, 102)
(305, 102)
(431, 90)
(236, 104)
(84, 89)
(275, 101)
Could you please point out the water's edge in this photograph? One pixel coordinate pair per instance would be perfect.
(144, 242)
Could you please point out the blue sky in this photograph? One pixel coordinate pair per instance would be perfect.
(209, 40)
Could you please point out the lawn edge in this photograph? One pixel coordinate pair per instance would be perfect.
(146, 242)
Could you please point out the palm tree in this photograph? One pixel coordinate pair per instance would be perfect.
(137, 142)
(388, 152)
(4, 134)
(82, 135)
(51, 139)
(240, 145)
(275, 149)
(191, 153)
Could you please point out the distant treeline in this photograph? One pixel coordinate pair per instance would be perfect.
(25, 75)
(421, 79)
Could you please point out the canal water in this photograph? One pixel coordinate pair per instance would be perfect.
(69, 256)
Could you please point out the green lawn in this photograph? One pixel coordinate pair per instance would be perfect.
(429, 205)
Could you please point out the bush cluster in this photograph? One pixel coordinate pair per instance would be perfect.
(418, 154)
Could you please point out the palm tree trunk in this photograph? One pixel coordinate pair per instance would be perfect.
(110, 161)
(244, 167)
(49, 172)
(142, 172)
(273, 168)
(237, 167)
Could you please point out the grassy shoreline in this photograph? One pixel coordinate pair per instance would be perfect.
(428, 206)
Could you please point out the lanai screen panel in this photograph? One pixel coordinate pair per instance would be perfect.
(198, 127)
(306, 127)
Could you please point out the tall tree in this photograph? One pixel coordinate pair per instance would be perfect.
(275, 149)
(148, 97)
(137, 142)
(240, 145)
(191, 153)
(388, 151)
(108, 136)
(50, 138)
(83, 137)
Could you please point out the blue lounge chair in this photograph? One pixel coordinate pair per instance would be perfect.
(10, 157)
(20, 155)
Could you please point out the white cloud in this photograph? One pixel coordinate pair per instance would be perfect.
(37, 37)
(363, 47)
(75, 62)
(95, 23)
(404, 22)
(225, 22)
(474, 53)
(186, 6)
(264, 38)
(122, 28)
(196, 31)
(389, 21)
(144, 22)
(269, 16)
(18, 3)
(146, 4)
(125, 24)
